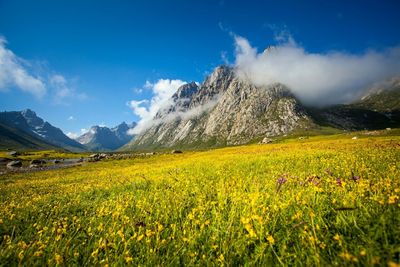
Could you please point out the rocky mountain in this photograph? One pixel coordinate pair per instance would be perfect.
(224, 110)
(31, 125)
(105, 139)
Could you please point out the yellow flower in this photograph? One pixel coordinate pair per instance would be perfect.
(393, 199)
(58, 258)
(38, 253)
(271, 239)
(221, 258)
(393, 264)
(95, 253)
(128, 259)
(250, 230)
(21, 255)
(140, 237)
(336, 237)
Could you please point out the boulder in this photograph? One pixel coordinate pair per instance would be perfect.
(14, 164)
(176, 152)
(14, 153)
(37, 162)
(5, 160)
(57, 161)
(266, 140)
(34, 166)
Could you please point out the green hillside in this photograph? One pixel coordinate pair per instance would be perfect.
(12, 138)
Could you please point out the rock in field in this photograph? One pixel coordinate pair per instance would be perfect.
(14, 164)
(13, 153)
(37, 162)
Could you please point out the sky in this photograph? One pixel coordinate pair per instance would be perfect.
(84, 63)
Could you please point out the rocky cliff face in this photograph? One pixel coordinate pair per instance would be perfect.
(224, 110)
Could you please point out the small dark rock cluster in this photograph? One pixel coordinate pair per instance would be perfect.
(37, 163)
(14, 164)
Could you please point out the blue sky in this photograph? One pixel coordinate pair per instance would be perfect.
(95, 56)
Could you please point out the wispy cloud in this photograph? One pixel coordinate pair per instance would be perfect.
(14, 73)
(71, 118)
(146, 110)
(316, 78)
(18, 73)
(63, 91)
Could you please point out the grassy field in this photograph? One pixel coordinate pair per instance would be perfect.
(324, 201)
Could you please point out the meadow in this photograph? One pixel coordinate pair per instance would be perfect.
(330, 201)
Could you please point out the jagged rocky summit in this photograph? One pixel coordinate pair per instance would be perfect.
(224, 110)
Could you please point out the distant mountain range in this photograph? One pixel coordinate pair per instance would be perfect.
(24, 130)
(30, 131)
(223, 110)
(100, 138)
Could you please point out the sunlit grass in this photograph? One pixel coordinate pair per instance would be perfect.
(321, 201)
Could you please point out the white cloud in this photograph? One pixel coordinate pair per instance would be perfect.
(191, 113)
(316, 78)
(73, 135)
(71, 118)
(14, 73)
(162, 91)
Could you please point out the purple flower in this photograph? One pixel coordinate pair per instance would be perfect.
(281, 180)
(339, 182)
(355, 178)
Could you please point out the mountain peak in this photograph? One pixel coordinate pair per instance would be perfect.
(220, 73)
(28, 113)
(186, 90)
(27, 121)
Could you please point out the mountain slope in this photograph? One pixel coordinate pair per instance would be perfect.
(105, 139)
(379, 109)
(28, 122)
(224, 110)
(13, 138)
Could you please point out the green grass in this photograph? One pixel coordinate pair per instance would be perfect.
(338, 205)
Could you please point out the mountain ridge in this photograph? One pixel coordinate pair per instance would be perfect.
(101, 138)
(28, 122)
(224, 110)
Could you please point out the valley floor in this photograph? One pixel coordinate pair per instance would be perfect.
(317, 202)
